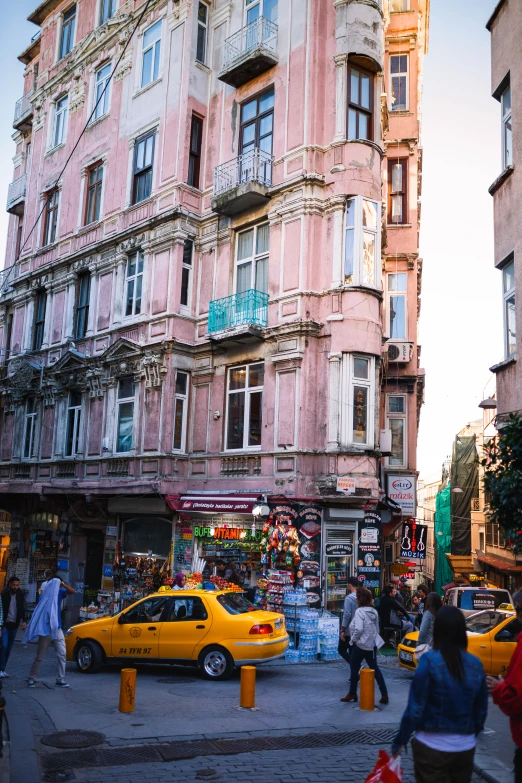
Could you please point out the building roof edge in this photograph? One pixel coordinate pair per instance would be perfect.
(494, 15)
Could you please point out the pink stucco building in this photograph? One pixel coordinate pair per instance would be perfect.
(212, 289)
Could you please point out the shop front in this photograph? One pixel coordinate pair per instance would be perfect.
(339, 554)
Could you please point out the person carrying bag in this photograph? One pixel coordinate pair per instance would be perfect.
(425, 640)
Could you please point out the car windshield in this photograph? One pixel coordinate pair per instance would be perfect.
(482, 599)
(483, 622)
(236, 603)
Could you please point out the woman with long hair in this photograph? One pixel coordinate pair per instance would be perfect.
(447, 705)
(364, 632)
(433, 604)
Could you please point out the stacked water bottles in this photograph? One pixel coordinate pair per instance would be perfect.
(308, 624)
(329, 643)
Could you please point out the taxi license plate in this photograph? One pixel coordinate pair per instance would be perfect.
(404, 656)
(278, 624)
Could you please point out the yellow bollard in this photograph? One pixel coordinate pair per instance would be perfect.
(247, 694)
(127, 690)
(367, 697)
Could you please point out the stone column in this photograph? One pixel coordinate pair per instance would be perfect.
(334, 397)
(341, 95)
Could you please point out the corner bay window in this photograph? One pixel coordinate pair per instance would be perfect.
(362, 251)
(125, 405)
(74, 417)
(245, 406)
(396, 421)
(30, 429)
(134, 283)
(397, 306)
(143, 161)
(180, 411)
(357, 401)
(510, 325)
(360, 116)
(397, 191)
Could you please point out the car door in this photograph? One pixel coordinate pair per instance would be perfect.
(187, 623)
(136, 632)
(503, 646)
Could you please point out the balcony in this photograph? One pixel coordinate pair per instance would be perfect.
(16, 195)
(243, 182)
(238, 318)
(23, 116)
(249, 52)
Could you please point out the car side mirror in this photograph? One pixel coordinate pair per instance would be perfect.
(504, 636)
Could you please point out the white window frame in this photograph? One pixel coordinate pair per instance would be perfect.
(156, 56)
(403, 416)
(508, 294)
(358, 275)
(399, 10)
(248, 391)
(254, 258)
(349, 382)
(102, 108)
(76, 427)
(391, 293)
(99, 15)
(205, 28)
(61, 116)
(136, 279)
(59, 55)
(507, 150)
(400, 74)
(183, 399)
(186, 307)
(30, 429)
(260, 4)
(119, 402)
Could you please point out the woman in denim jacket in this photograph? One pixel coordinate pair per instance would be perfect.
(447, 706)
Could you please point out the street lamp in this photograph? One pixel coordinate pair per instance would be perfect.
(488, 403)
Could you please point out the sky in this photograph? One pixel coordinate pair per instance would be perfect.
(461, 311)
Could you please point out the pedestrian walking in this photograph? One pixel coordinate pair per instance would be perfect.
(350, 606)
(447, 705)
(422, 592)
(364, 637)
(392, 613)
(425, 639)
(46, 627)
(13, 612)
(507, 693)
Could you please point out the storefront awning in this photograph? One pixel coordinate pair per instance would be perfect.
(461, 564)
(212, 504)
(500, 564)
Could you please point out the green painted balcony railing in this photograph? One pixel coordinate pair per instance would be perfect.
(247, 308)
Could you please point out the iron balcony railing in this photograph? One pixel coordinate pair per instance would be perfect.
(249, 308)
(259, 34)
(23, 106)
(253, 166)
(17, 190)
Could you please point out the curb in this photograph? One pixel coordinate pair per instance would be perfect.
(24, 761)
(491, 770)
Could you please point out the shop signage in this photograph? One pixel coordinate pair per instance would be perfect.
(62, 565)
(413, 540)
(112, 530)
(223, 506)
(338, 550)
(402, 490)
(399, 569)
(227, 533)
(107, 570)
(346, 484)
(369, 552)
(307, 521)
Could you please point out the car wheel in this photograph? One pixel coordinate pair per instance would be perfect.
(216, 663)
(89, 657)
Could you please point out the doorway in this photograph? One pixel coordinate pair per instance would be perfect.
(93, 566)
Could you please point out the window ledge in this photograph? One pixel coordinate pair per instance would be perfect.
(88, 227)
(148, 86)
(399, 225)
(53, 149)
(98, 120)
(400, 113)
(505, 363)
(202, 67)
(508, 171)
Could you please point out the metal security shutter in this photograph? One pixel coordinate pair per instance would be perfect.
(339, 536)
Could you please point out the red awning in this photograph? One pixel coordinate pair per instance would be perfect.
(500, 564)
(212, 504)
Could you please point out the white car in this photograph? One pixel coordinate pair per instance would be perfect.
(475, 599)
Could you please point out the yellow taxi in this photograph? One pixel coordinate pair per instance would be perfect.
(492, 636)
(214, 631)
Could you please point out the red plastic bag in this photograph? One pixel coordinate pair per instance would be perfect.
(387, 770)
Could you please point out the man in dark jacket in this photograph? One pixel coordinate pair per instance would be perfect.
(391, 612)
(13, 608)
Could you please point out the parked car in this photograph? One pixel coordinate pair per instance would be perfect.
(492, 636)
(474, 599)
(212, 630)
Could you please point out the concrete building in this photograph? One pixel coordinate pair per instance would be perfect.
(200, 281)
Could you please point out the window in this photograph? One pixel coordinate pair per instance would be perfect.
(507, 146)
(9, 333)
(52, 201)
(61, 108)
(151, 54)
(30, 429)
(107, 9)
(201, 50)
(358, 404)
(94, 191)
(397, 287)
(257, 123)
(196, 135)
(397, 188)
(396, 6)
(83, 292)
(134, 280)
(510, 325)
(362, 251)
(18, 243)
(27, 156)
(74, 417)
(101, 91)
(510, 632)
(183, 609)
(68, 25)
(147, 611)
(399, 82)
(245, 406)
(360, 103)
(396, 420)
(186, 273)
(143, 160)
(180, 411)
(252, 259)
(39, 320)
(257, 8)
(125, 414)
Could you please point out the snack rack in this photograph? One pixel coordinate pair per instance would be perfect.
(279, 581)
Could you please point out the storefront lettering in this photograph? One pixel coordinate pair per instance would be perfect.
(227, 533)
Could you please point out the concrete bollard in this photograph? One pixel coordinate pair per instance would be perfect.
(127, 690)
(247, 694)
(367, 696)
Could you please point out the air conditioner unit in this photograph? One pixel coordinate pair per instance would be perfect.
(399, 352)
(385, 443)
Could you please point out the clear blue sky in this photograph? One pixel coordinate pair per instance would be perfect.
(461, 332)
